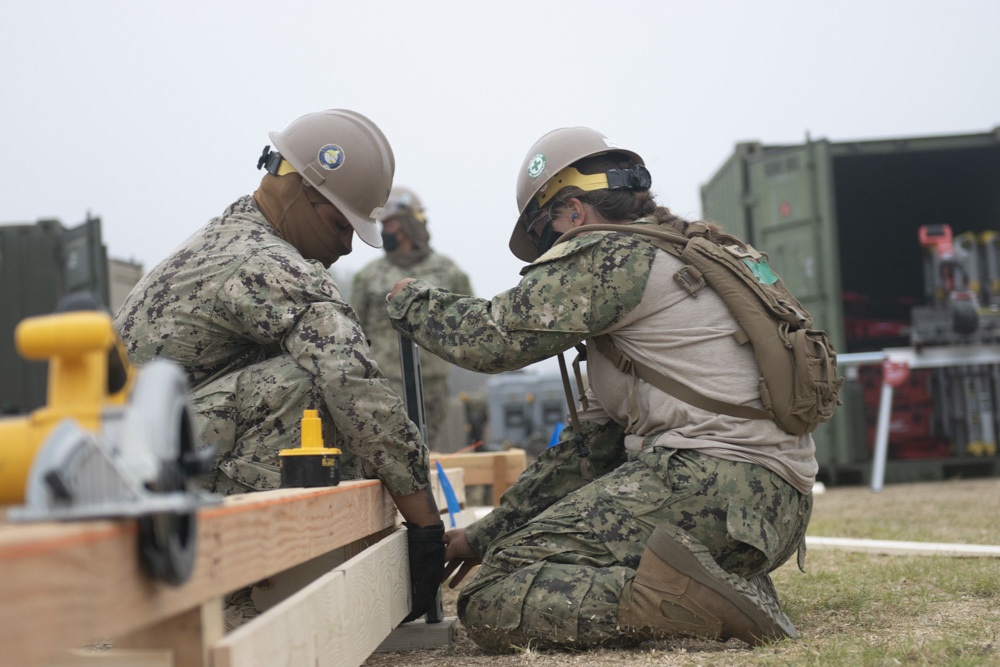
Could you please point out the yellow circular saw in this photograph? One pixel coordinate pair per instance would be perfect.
(113, 441)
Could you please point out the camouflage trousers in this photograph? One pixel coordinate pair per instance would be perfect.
(251, 414)
(556, 581)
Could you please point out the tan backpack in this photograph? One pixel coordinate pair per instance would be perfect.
(798, 365)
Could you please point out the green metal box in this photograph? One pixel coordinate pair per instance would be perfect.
(840, 221)
(39, 264)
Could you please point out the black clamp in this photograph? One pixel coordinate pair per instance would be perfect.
(634, 178)
(269, 160)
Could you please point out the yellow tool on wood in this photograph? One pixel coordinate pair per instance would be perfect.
(311, 464)
(112, 441)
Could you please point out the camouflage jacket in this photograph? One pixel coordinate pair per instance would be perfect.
(236, 293)
(578, 288)
(368, 290)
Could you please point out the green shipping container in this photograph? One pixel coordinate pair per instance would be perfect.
(840, 221)
(39, 264)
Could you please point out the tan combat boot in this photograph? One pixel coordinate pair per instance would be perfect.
(679, 590)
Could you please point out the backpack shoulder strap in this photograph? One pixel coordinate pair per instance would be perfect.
(673, 242)
(671, 386)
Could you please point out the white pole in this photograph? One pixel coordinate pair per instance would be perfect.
(882, 437)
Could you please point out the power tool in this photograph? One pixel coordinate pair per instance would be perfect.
(113, 441)
(312, 463)
(951, 285)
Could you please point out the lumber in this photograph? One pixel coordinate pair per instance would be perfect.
(900, 548)
(74, 583)
(187, 635)
(500, 469)
(456, 477)
(113, 658)
(270, 591)
(339, 619)
(281, 585)
(463, 518)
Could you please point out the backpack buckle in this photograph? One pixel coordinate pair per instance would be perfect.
(690, 279)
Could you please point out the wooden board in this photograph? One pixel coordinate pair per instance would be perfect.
(281, 585)
(187, 635)
(464, 518)
(499, 469)
(456, 477)
(338, 620)
(113, 658)
(64, 586)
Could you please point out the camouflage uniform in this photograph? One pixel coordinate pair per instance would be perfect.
(263, 334)
(368, 291)
(559, 549)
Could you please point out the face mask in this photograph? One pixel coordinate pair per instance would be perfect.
(389, 242)
(284, 201)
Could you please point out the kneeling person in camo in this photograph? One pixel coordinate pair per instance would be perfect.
(651, 518)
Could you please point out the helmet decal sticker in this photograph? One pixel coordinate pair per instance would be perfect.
(331, 157)
(536, 166)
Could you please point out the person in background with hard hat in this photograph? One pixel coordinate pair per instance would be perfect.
(247, 307)
(408, 252)
(651, 518)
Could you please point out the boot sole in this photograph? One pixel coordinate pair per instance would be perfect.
(693, 560)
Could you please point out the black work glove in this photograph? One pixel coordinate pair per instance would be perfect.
(426, 547)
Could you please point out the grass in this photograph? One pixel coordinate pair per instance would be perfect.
(865, 609)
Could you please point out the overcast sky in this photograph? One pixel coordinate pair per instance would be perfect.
(151, 116)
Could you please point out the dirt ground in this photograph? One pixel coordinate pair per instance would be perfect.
(957, 511)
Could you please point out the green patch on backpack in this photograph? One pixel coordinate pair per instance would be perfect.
(762, 270)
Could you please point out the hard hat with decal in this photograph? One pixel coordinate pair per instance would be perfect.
(551, 154)
(402, 200)
(345, 156)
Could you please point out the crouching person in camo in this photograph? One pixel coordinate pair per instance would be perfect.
(654, 516)
(247, 307)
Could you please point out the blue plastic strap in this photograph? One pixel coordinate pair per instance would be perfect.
(554, 440)
(449, 493)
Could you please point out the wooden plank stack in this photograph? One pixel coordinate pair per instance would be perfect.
(334, 560)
